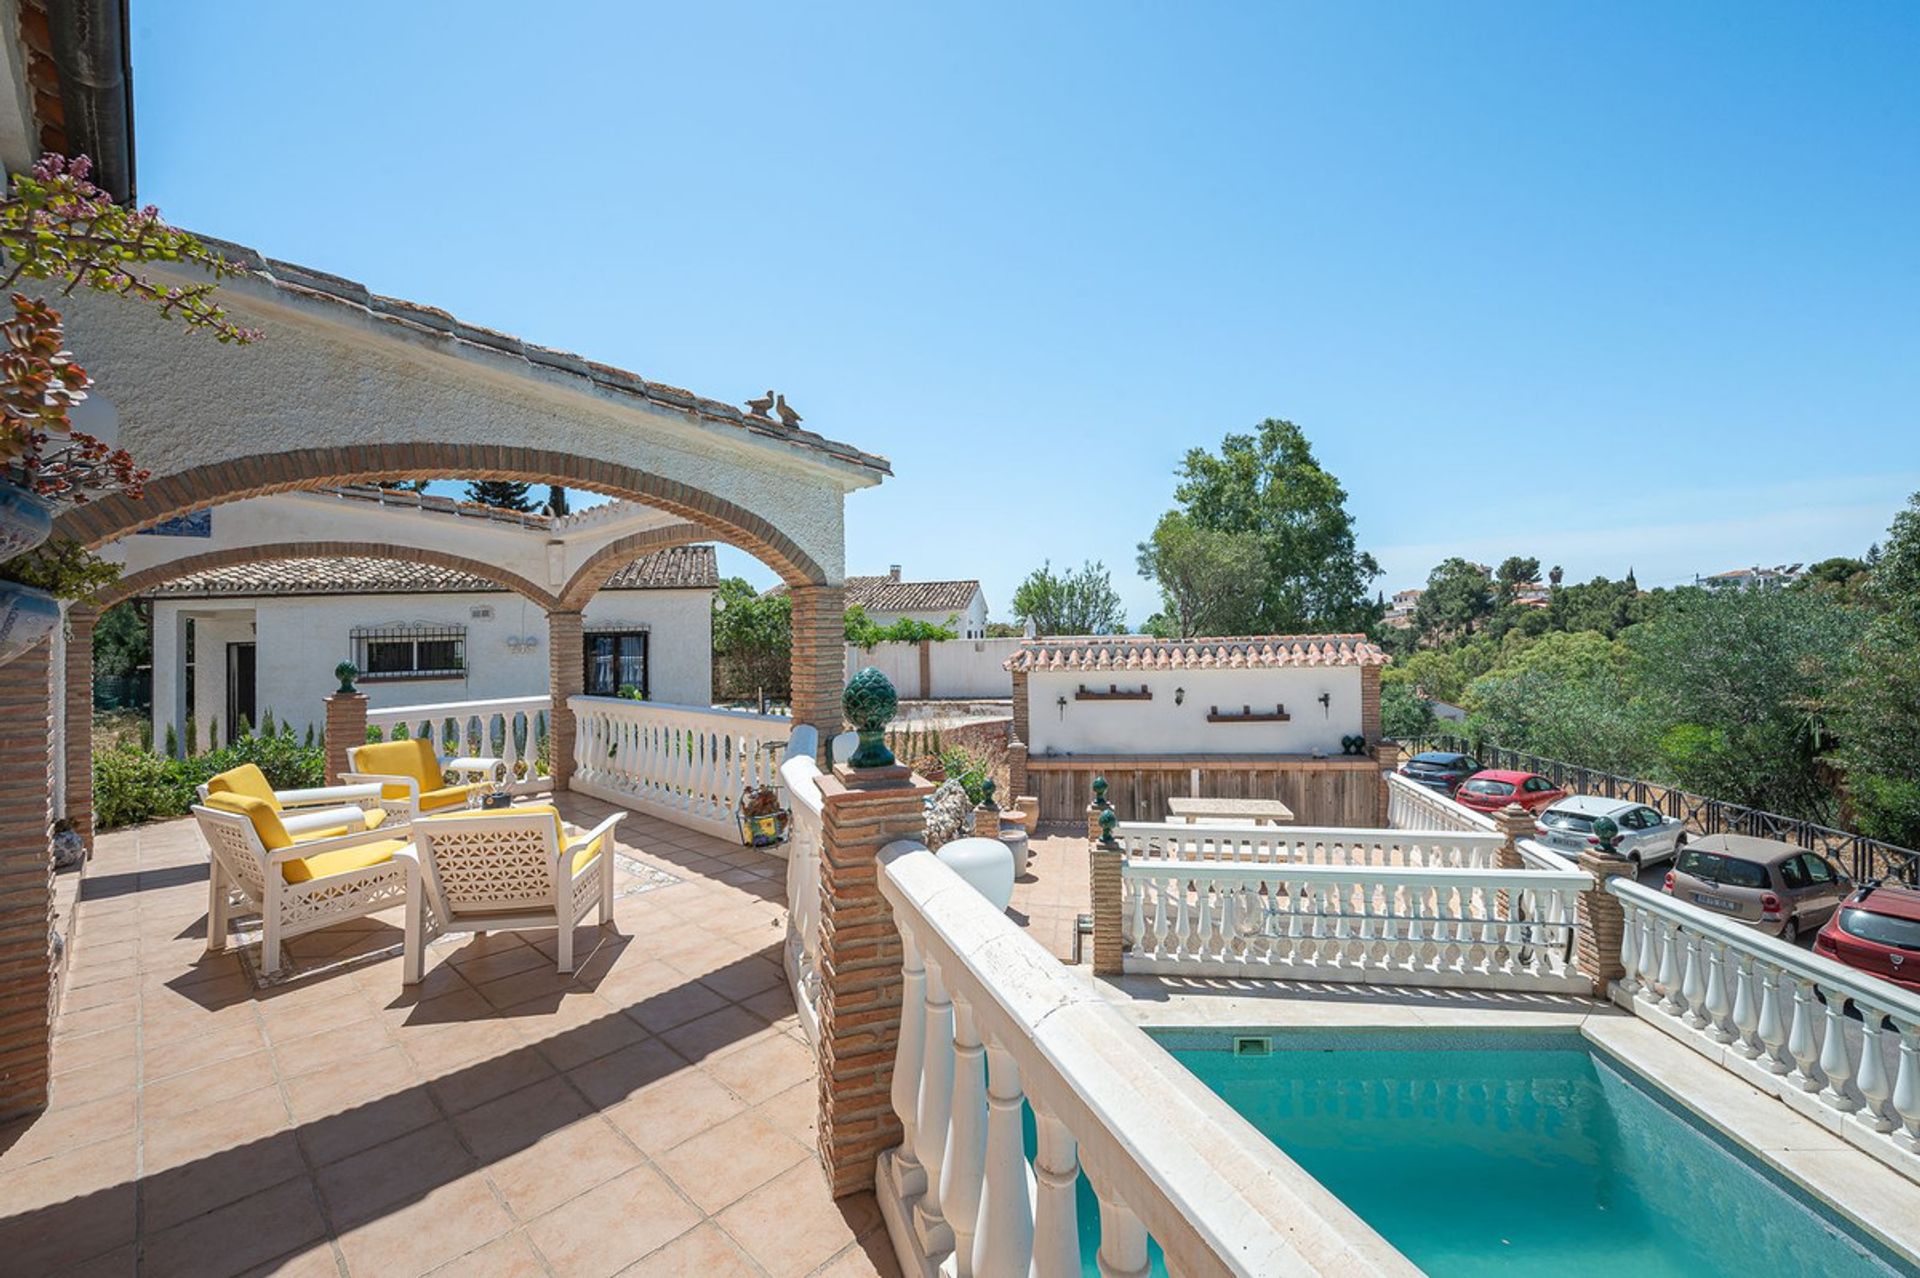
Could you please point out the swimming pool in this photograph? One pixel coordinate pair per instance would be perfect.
(1520, 1152)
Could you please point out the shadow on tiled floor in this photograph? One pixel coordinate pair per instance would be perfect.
(652, 1113)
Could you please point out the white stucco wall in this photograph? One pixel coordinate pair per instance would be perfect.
(1161, 727)
(960, 668)
(301, 639)
(330, 373)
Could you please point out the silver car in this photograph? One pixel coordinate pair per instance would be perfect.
(1646, 836)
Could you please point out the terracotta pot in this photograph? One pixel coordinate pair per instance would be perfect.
(25, 521)
(26, 617)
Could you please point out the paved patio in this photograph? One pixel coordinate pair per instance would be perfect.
(650, 1114)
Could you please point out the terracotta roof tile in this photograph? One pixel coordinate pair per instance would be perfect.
(675, 568)
(1144, 652)
(887, 594)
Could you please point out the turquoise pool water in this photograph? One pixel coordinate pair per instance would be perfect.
(1521, 1154)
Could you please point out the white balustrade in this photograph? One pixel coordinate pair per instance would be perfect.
(1837, 1044)
(1002, 1026)
(1411, 806)
(1307, 845)
(507, 728)
(681, 763)
(1380, 924)
(800, 789)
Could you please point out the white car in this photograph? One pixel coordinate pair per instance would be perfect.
(1646, 836)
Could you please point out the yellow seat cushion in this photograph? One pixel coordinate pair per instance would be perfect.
(340, 860)
(329, 832)
(412, 758)
(444, 797)
(375, 818)
(246, 779)
(265, 818)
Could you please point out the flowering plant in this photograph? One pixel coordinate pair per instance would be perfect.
(56, 225)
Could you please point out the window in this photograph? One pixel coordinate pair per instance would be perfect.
(1535, 785)
(1793, 872)
(1498, 789)
(617, 659)
(1883, 929)
(1650, 820)
(410, 652)
(1818, 871)
(1719, 867)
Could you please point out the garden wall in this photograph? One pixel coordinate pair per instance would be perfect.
(1343, 792)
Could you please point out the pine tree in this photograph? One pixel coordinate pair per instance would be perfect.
(267, 728)
(557, 504)
(504, 494)
(309, 736)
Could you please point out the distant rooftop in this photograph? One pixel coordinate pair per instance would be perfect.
(891, 594)
(1144, 652)
(674, 568)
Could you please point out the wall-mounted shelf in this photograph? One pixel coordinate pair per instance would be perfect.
(1113, 693)
(1249, 715)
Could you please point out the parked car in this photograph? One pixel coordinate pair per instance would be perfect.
(1439, 770)
(1647, 837)
(1494, 788)
(1877, 930)
(1773, 886)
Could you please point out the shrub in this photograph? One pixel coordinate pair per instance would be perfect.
(131, 786)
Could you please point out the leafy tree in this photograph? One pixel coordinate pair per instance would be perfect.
(1268, 485)
(503, 494)
(1874, 706)
(865, 631)
(752, 640)
(1404, 716)
(1458, 598)
(1602, 605)
(1842, 575)
(1513, 573)
(1080, 601)
(1211, 583)
(123, 639)
(1555, 574)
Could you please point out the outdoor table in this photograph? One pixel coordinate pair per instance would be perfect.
(1258, 811)
(469, 768)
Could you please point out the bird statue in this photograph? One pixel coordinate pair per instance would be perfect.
(759, 407)
(788, 417)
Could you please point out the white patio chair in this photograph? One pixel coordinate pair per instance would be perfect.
(296, 885)
(507, 870)
(356, 807)
(411, 775)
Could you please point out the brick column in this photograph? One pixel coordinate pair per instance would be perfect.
(566, 677)
(1017, 768)
(1022, 720)
(81, 619)
(926, 669)
(26, 880)
(819, 659)
(346, 728)
(1387, 756)
(1514, 823)
(1104, 859)
(860, 961)
(1602, 922)
(1370, 703)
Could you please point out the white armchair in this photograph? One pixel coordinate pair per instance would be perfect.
(356, 807)
(296, 885)
(507, 870)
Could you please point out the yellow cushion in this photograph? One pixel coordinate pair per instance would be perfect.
(340, 860)
(413, 758)
(329, 832)
(246, 779)
(586, 854)
(375, 818)
(580, 858)
(445, 797)
(266, 821)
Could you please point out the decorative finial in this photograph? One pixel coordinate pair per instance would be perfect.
(1100, 793)
(986, 791)
(869, 703)
(346, 672)
(1107, 821)
(1606, 836)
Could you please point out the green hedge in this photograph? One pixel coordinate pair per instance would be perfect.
(131, 785)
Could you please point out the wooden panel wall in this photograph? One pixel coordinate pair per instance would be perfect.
(1336, 792)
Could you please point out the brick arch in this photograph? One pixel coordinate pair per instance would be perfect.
(614, 556)
(160, 574)
(186, 491)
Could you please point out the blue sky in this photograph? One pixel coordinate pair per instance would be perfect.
(1624, 284)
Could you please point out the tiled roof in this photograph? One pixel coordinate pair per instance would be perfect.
(675, 568)
(890, 594)
(428, 321)
(1144, 652)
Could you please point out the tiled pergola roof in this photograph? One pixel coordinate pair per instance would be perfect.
(675, 568)
(1144, 652)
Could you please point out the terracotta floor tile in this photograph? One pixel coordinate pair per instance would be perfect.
(762, 1069)
(172, 1140)
(382, 1179)
(508, 1256)
(365, 1125)
(562, 1164)
(503, 1127)
(611, 1227)
(191, 1051)
(330, 1048)
(582, 1029)
(792, 1225)
(729, 1161)
(94, 1082)
(242, 1234)
(195, 1088)
(676, 1006)
(871, 1257)
(704, 1250)
(46, 1238)
(447, 1224)
(121, 1262)
(185, 1190)
(66, 1126)
(795, 1111)
(476, 1084)
(713, 1033)
(674, 1108)
(613, 1078)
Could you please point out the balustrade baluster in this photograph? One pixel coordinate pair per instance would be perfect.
(1746, 1008)
(1802, 1044)
(1649, 956)
(1003, 1237)
(1872, 1076)
(909, 1057)
(1137, 916)
(1834, 1061)
(934, 1112)
(1056, 1223)
(1906, 1084)
(1692, 982)
(1160, 948)
(1203, 939)
(964, 1169)
(1772, 1028)
(1718, 1006)
(1669, 979)
(1123, 1240)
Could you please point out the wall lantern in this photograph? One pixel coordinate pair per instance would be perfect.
(1179, 696)
(1326, 703)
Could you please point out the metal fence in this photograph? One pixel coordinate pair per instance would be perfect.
(1868, 858)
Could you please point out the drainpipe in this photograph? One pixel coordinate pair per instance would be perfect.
(96, 87)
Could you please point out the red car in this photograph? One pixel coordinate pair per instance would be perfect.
(1877, 931)
(1495, 788)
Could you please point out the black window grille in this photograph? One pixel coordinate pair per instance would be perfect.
(410, 651)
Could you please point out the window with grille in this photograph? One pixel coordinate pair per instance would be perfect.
(410, 652)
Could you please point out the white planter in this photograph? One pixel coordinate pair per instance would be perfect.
(26, 617)
(986, 865)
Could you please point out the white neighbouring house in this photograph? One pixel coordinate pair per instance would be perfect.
(960, 605)
(266, 636)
